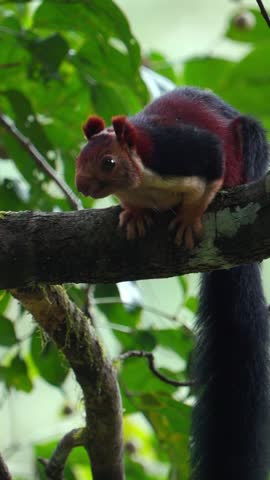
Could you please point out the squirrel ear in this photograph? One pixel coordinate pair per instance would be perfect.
(124, 130)
(93, 125)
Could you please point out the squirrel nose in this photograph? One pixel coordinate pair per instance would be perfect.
(89, 186)
(83, 184)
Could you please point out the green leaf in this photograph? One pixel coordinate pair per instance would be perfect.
(12, 198)
(192, 304)
(51, 365)
(158, 62)
(48, 53)
(16, 375)
(105, 63)
(208, 72)
(4, 300)
(2, 294)
(146, 340)
(13, 56)
(134, 470)
(179, 340)
(7, 332)
(102, 19)
(182, 280)
(116, 312)
(138, 378)
(247, 86)
(171, 421)
(108, 57)
(77, 457)
(259, 32)
(108, 100)
(26, 120)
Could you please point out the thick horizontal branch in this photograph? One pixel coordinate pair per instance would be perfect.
(88, 246)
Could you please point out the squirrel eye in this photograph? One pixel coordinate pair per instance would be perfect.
(108, 163)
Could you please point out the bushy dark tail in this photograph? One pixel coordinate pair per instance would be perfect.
(255, 147)
(231, 422)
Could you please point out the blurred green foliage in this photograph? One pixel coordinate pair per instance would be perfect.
(59, 61)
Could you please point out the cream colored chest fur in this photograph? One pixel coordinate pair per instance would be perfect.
(161, 193)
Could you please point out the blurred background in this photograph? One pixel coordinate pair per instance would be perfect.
(60, 61)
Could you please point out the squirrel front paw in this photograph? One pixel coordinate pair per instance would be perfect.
(136, 221)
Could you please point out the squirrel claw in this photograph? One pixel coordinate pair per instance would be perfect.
(136, 222)
(188, 230)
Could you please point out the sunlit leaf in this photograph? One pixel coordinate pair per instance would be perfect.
(192, 304)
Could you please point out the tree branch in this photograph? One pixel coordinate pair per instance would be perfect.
(263, 12)
(75, 337)
(151, 362)
(88, 247)
(4, 473)
(10, 65)
(54, 467)
(41, 161)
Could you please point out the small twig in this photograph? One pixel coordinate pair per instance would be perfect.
(150, 358)
(263, 12)
(54, 467)
(4, 473)
(10, 65)
(41, 161)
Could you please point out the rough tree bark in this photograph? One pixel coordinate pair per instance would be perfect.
(75, 337)
(87, 246)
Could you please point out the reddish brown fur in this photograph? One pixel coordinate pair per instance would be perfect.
(91, 179)
(125, 132)
(93, 125)
(185, 110)
(129, 145)
(132, 151)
